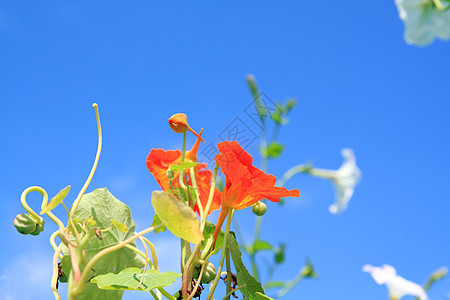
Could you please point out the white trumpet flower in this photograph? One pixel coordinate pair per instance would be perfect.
(424, 20)
(397, 285)
(344, 179)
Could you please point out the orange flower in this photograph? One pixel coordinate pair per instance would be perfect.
(178, 123)
(245, 184)
(159, 160)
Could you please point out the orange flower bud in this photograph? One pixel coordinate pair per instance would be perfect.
(178, 123)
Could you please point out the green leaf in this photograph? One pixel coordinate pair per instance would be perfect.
(103, 206)
(56, 200)
(179, 218)
(183, 166)
(274, 150)
(252, 286)
(157, 221)
(260, 296)
(308, 270)
(119, 226)
(129, 278)
(261, 245)
(279, 254)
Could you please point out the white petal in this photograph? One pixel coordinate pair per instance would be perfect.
(397, 285)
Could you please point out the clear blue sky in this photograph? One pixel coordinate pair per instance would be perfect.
(357, 83)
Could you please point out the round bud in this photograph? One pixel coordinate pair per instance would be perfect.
(25, 224)
(209, 273)
(39, 229)
(259, 208)
(170, 173)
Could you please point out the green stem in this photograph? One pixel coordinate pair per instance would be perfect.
(194, 185)
(78, 288)
(154, 295)
(94, 167)
(227, 249)
(439, 5)
(188, 270)
(153, 251)
(227, 296)
(54, 280)
(289, 286)
(222, 257)
(293, 171)
(210, 197)
(142, 254)
(199, 279)
(166, 294)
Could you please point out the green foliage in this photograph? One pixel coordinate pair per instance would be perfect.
(183, 166)
(308, 270)
(103, 206)
(279, 115)
(252, 286)
(274, 150)
(157, 221)
(128, 279)
(55, 201)
(119, 226)
(279, 254)
(179, 218)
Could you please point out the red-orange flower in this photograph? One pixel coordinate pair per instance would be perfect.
(159, 160)
(245, 184)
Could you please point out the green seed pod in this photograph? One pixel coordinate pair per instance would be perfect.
(209, 273)
(259, 208)
(170, 173)
(39, 229)
(25, 224)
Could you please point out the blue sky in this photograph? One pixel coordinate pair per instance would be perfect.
(357, 83)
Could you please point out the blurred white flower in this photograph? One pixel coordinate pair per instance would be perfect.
(424, 20)
(397, 286)
(344, 179)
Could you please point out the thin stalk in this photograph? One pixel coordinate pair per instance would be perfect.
(288, 286)
(222, 257)
(188, 269)
(228, 272)
(94, 167)
(146, 263)
(227, 296)
(54, 280)
(202, 270)
(293, 171)
(166, 294)
(210, 197)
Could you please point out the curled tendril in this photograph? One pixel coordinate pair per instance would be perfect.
(23, 200)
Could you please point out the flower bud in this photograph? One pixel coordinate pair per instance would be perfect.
(25, 224)
(39, 229)
(259, 208)
(209, 273)
(178, 123)
(170, 173)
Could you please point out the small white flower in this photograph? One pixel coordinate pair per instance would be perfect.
(344, 179)
(423, 21)
(397, 286)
